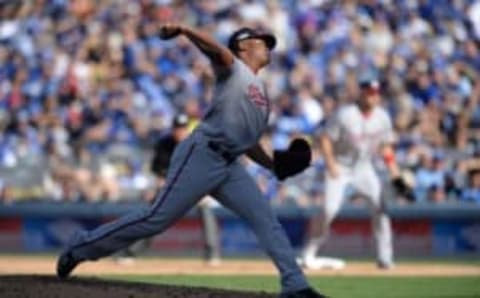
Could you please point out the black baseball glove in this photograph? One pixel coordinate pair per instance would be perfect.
(293, 160)
(402, 189)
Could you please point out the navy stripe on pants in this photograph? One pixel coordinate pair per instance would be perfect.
(154, 208)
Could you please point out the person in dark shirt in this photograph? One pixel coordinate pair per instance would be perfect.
(164, 147)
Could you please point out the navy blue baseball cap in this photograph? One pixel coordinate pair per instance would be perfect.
(370, 84)
(368, 80)
(249, 33)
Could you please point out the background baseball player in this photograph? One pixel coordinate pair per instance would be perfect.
(352, 137)
(206, 162)
(163, 150)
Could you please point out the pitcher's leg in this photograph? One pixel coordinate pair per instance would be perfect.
(240, 194)
(189, 179)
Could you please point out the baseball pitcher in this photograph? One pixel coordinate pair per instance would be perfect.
(206, 162)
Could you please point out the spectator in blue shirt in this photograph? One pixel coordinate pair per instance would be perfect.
(472, 192)
(430, 175)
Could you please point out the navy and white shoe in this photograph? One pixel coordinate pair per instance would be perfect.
(65, 265)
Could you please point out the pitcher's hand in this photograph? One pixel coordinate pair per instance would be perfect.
(170, 30)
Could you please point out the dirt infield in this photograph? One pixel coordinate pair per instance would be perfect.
(28, 286)
(32, 277)
(46, 265)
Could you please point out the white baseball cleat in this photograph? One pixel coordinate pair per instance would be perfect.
(213, 262)
(318, 263)
(124, 261)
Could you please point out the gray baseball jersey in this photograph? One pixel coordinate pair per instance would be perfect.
(205, 164)
(239, 112)
(356, 137)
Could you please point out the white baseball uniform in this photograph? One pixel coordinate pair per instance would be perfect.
(356, 138)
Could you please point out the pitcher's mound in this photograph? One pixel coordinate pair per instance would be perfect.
(37, 286)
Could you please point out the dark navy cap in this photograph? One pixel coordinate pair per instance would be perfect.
(371, 84)
(249, 33)
(368, 80)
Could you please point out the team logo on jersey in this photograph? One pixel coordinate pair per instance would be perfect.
(367, 136)
(256, 96)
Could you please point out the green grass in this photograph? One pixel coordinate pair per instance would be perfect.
(336, 287)
(473, 260)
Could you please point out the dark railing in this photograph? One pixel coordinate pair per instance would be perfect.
(108, 209)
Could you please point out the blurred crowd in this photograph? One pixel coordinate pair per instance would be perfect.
(87, 87)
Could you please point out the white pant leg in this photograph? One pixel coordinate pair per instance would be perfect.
(334, 196)
(366, 181)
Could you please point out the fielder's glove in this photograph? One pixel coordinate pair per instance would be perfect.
(402, 189)
(293, 160)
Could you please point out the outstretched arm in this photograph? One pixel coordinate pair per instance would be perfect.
(219, 55)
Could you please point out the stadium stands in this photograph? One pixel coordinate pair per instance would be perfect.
(86, 87)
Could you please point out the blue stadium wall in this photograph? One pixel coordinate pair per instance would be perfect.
(420, 230)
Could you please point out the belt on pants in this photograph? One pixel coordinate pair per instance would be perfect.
(215, 147)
